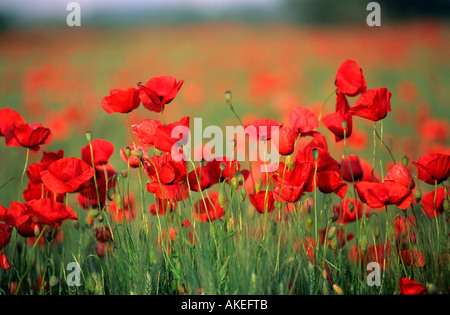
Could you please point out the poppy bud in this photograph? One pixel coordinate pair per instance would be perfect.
(431, 288)
(334, 242)
(258, 185)
(100, 218)
(222, 166)
(124, 173)
(344, 124)
(334, 218)
(405, 161)
(363, 242)
(88, 135)
(290, 162)
(418, 195)
(308, 222)
(331, 232)
(53, 280)
(127, 151)
(243, 194)
(325, 288)
(137, 153)
(222, 199)
(234, 183)
(351, 207)
(36, 230)
(76, 224)
(337, 289)
(376, 233)
(446, 205)
(119, 201)
(228, 96)
(93, 214)
(111, 193)
(240, 177)
(230, 225)
(315, 154)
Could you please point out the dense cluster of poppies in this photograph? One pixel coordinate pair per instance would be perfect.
(308, 166)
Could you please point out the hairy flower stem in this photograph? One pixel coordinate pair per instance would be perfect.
(435, 215)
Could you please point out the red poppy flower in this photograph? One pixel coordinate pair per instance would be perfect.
(379, 195)
(165, 141)
(432, 208)
(208, 209)
(309, 248)
(261, 129)
(303, 120)
(433, 167)
(53, 213)
(373, 104)
(30, 136)
(399, 174)
(101, 151)
(161, 206)
(121, 101)
(145, 132)
(410, 287)
(231, 167)
(87, 197)
(199, 179)
(102, 249)
(66, 175)
(103, 234)
(262, 201)
(17, 214)
(9, 119)
(330, 182)
(351, 168)
(5, 236)
(159, 91)
(335, 120)
(34, 170)
(349, 209)
(169, 177)
(349, 79)
(284, 140)
(291, 184)
(27, 228)
(413, 258)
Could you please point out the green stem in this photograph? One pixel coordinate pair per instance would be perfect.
(23, 174)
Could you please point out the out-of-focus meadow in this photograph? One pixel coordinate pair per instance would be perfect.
(58, 76)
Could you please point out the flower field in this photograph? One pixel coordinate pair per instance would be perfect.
(357, 205)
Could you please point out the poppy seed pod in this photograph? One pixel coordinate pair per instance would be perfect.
(405, 161)
(137, 153)
(53, 281)
(258, 185)
(363, 243)
(127, 152)
(315, 154)
(93, 214)
(222, 199)
(88, 136)
(418, 195)
(243, 194)
(344, 124)
(234, 183)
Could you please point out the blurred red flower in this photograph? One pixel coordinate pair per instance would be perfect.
(334, 121)
(17, 214)
(284, 140)
(431, 207)
(145, 132)
(303, 120)
(9, 119)
(5, 236)
(410, 287)
(399, 174)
